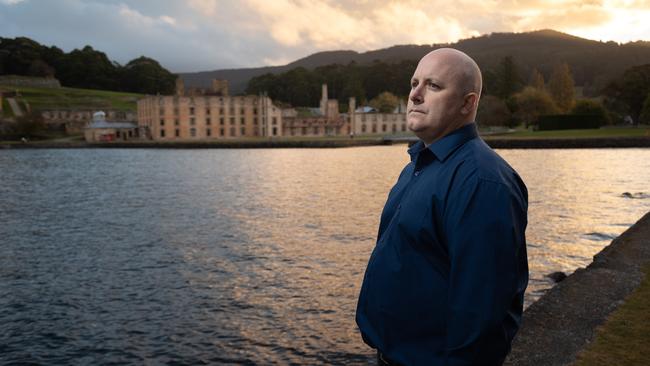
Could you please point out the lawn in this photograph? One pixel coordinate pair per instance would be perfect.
(590, 133)
(624, 339)
(73, 98)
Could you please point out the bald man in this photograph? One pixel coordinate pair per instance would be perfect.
(445, 282)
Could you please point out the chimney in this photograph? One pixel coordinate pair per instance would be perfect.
(180, 87)
(352, 105)
(323, 100)
(220, 87)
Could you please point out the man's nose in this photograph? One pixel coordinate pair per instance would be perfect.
(416, 95)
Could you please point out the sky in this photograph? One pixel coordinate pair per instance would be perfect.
(201, 35)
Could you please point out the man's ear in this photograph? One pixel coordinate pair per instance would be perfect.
(470, 103)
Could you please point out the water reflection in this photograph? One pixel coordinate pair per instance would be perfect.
(576, 203)
(244, 256)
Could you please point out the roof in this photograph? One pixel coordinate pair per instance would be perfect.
(309, 112)
(365, 109)
(107, 124)
(99, 121)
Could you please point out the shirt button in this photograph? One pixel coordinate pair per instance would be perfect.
(417, 172)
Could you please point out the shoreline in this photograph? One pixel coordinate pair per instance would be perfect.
(568, 143)
(558, 326)
(493, 142)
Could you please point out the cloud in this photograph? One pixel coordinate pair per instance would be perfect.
(210, 34)
(206, 7)
(136, 19)
(293, 23)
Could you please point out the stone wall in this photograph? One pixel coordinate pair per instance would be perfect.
(27, 81)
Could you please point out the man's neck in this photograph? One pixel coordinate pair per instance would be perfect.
(446, 132)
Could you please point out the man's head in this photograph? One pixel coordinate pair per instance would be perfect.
(445, 90)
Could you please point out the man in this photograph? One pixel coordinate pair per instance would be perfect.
(446, 280)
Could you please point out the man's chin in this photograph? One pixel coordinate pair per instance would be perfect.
(415, 128)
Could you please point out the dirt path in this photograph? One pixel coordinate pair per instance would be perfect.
(15, 107)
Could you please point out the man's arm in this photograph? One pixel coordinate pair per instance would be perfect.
(485, 229)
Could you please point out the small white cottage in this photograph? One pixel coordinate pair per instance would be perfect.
(101, 130)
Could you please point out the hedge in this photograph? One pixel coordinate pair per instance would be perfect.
(569, 122)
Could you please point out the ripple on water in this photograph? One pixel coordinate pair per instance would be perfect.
(243, 257)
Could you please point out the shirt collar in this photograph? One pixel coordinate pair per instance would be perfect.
(447, 144)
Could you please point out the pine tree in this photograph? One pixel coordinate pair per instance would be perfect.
(508, 79)
(536, 80)
(644, 117)
(561, 87)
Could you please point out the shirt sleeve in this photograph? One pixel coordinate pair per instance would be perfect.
(485, 226)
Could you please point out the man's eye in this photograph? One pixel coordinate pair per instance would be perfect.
(414, 83)
(433, 86)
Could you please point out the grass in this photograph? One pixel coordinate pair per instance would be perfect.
(73, 98)
(624, 339)
(590, 133)
(6, 108)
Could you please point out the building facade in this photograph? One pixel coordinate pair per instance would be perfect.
(208, 115)
(373, 123)
(200, 114)
(368, 121)
(101, 130)
(316, 122)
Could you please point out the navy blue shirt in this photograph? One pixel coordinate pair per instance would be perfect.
(445, 282)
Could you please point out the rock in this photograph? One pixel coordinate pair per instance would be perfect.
(556, 276)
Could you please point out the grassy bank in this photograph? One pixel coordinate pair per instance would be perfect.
(624, 339)
(640, 131)
(73, 98)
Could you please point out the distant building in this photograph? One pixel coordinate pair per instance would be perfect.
(101, 130)
(197, 113)
(74, 121)
(366, 120)
(208, 114)
(323, 121)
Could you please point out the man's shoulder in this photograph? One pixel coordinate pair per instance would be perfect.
(478, 163)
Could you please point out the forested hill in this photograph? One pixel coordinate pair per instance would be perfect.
(83, 68)
(592, 63)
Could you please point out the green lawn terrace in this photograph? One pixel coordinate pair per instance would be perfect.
(43, 98)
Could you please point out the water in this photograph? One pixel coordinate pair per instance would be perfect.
(243, 256)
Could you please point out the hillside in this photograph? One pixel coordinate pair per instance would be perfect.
(592, 62)
(74, 98)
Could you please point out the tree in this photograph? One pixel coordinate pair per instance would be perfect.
(302, 87)
(644, 117)
(145, 75)
(531, 103)
(87, 68)
(353, 89)
(561, 87)
(508, 80)
(591, 108)
(493, 111)
(264, 83)
(41, 68)
(385, 102)
(536, 80)
(19, 54)
(628, 95)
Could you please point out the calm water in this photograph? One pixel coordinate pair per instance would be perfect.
(243, 256)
